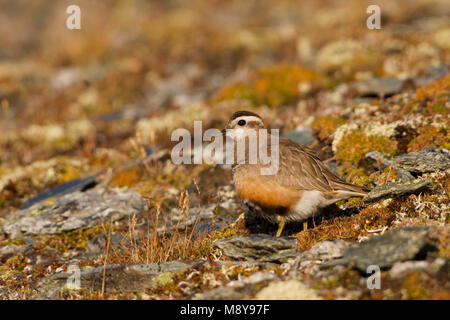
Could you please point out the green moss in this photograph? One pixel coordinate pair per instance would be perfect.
(164, 279)
(355, 145)
(225, 233)
(327, 283)
(13, 265)
(70, 240)
(439, 108)
(274, 86)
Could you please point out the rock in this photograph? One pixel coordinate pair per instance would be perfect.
(401, 269)
(7, 252)
(381, 161)
(62, 189)
(259, 248)
(78, 210)
(180, 220)
(323, 251)
(426, 160)
(342, 54)
(116, 277)
(378, 87)
(302, 135)
(384, 251)
(396, 189)
(287, 290)
(220, 293)
(255, 278)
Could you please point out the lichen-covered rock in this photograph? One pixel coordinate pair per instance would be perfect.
(62, 189)
(259, 248)
(384, 251)
(426, 160)
(345, 55)
(401, 269)
(78, 210)
(323, 251)
(116, 277)
(381, 162)
(396, 189)
(378, 86)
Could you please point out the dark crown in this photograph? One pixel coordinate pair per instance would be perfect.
(243, 113)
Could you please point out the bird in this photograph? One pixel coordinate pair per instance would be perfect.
(301, 186)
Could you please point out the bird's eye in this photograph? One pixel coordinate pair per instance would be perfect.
(241, 123)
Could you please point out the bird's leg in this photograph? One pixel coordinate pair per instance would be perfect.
(305, 225)
(281, 226)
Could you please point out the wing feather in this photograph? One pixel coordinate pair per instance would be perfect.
(301, 168)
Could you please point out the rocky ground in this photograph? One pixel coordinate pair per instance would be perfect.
(92, 207)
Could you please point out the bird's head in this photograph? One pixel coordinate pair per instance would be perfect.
(242, 123)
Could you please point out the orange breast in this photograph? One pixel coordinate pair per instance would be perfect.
(266, 192)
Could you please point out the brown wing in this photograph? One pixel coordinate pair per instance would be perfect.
(301, 168)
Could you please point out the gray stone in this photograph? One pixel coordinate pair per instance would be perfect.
(401, 269)
(376, 158)
(7, 252)
(396, 189)
(323, 251)
(62, 189)
(426, 160)
(253, 279)
(116, 277)
(77, 210)
(384, 251)
(259, 248)
(302, 135)
(378, 87)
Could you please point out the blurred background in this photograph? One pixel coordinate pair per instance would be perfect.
(80, 108)
(72, 92)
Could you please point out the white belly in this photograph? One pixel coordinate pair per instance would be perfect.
(308, 205)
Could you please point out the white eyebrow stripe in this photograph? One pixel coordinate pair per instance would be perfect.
(247, 119)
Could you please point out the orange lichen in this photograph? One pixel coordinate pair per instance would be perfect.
(326, 126)
(273, 86)
(430, 136)
(433, 98)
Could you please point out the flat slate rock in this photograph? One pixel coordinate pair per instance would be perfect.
(384, 251)
(380, 162)
(116, 277)
(396, 189)
(62, 189)
(323, 251)
(259, 248)
(77, 210)
(426, 160)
